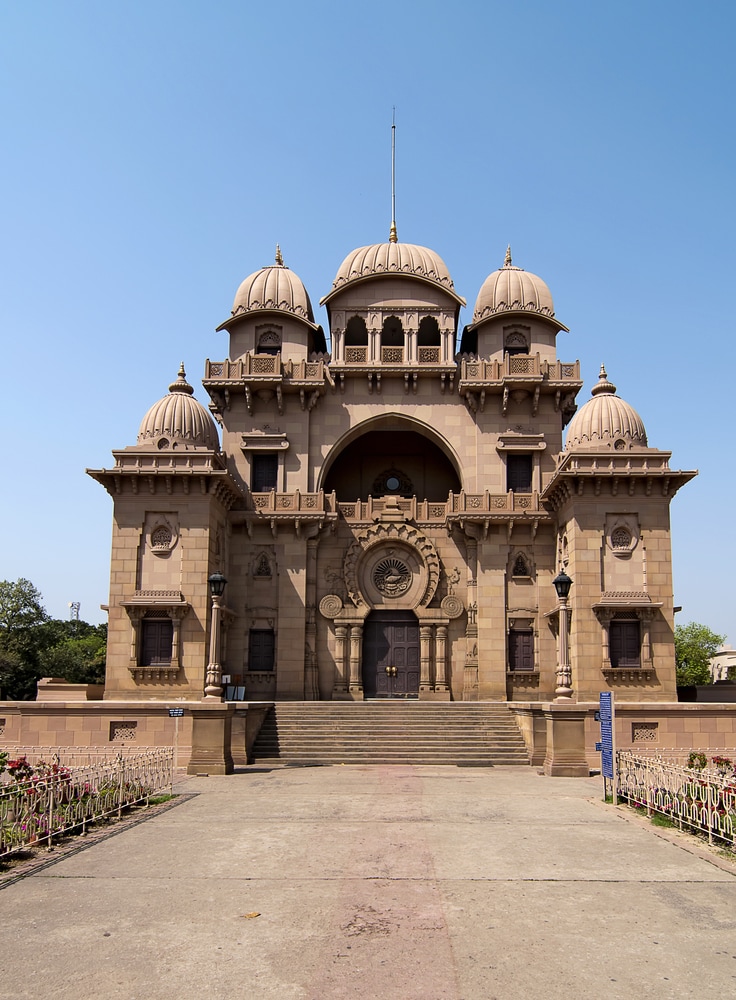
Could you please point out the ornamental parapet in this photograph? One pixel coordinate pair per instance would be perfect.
(519, 367)
(256, 374)
(297, 510)
(458, 507)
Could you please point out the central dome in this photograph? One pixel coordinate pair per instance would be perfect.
(393, 258)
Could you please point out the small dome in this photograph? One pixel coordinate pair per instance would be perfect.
(511, 289)
(605, 421)
(179, 420)
(274, 288)
(393, 258)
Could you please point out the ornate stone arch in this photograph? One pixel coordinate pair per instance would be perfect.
(384, 549)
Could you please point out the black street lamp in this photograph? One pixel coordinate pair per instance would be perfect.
(562, 584)
(213, 682)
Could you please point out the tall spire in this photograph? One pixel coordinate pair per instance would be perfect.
(507, 261)
(393, 236)
(279, 258)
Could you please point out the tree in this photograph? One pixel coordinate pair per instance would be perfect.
(695, 644)
(32, 645)
(21, 614)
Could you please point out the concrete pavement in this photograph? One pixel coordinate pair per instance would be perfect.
(400, 882)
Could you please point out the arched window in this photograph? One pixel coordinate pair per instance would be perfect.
(392, 334)
(516, 343)
(269, 342)
(429, 333)
(356, 332)
(520, 567)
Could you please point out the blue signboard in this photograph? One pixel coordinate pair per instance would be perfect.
(606, 713)
(176, 713)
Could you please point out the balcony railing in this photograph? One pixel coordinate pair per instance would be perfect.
(263, 365)
(458, 504)
(294, 503)
(519, 366)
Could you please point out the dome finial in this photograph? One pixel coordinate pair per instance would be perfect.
(393, 235)
(603, 385)
(507, 259)
(181, 384)
(279, 258)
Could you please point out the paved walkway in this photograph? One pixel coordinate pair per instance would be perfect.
(403, 883)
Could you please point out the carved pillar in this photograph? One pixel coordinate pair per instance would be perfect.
(605, 619)
(356, 648)
(645, 618)
(311, 673)
(425, 653)
(135, 615)
(440, 659)
(374, 345)
(176, 615)
(470, 679)
(341, 644)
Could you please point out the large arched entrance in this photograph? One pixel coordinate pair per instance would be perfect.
(391, 655)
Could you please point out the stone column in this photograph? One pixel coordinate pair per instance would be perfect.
(311, 673)
(425, 640)
(645, 620)
(470, 679)
(440, 659)
(356, 649)
(341, 644)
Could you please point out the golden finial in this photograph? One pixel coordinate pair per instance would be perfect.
(603, 385)
(393, 235)
(279, 258)
(507, 259)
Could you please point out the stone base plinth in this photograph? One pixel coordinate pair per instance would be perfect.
(211, 740)
(565, 756)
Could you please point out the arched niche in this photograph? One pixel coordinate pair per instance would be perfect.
(421, 457)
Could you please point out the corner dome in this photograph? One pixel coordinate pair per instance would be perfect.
(393, 258)
(274, 289)
(179, 421)
(511, 289)
(605, 422)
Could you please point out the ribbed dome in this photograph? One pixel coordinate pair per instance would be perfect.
(394, 258)
(605, 421)
(511, 289)
(274, 288)
(179, 420)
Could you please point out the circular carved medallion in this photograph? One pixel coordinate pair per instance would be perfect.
(330, 606)
(452, 606)
(392, 577)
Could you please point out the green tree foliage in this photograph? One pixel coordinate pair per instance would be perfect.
(32, 645)
(695, 644)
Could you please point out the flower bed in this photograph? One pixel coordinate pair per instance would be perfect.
(697, 797)
(41, 800)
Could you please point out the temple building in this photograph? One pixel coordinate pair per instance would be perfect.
(391, 515)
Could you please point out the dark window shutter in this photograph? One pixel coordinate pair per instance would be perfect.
(521, 650)
(625, 644)
(264, 472)
(156, 641)
(519, 473)
(261, 649)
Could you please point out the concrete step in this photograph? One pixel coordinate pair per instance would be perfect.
(386, 732)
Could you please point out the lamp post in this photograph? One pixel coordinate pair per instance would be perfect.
(562, 584)
(213, 686)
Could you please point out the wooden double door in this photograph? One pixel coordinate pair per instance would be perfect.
(391, 655)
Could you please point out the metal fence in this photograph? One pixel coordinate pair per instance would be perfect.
(44, 796)
(698, 799)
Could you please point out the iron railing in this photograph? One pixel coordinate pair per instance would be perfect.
(44, 796)
(698, 799)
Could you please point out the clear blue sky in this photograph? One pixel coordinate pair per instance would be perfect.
(154, 153)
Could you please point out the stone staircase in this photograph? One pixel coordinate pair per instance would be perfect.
(471, 734)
